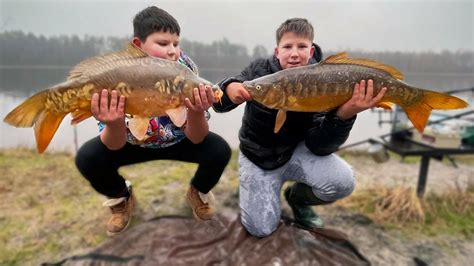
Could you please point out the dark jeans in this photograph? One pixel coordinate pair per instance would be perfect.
(100, 165)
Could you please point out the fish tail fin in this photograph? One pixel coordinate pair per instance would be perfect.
(26, 114)
(419, 112)
(33, 112)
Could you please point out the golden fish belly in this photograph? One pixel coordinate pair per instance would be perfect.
(316, 104)
(152, 104)
(151, 101)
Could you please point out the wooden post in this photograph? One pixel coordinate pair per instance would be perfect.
(76, 146)
(425, 162)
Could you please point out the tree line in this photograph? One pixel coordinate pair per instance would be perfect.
(26, 49)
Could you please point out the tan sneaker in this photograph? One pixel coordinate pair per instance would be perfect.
(200, 203)
(122, 209)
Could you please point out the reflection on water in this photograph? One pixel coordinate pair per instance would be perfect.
(17, 84)
(25, 81)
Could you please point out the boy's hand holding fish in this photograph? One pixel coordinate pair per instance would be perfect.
(196, 124)
(237, 93)
(362, 99)
(112, 114)
(203, 99)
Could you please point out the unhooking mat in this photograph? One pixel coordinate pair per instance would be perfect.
(175, 240)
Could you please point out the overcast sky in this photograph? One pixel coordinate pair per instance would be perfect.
(339, 25)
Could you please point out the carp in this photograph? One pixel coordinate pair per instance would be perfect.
(329, 84)
(152, 87)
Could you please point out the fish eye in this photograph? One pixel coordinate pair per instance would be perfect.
(258, 87)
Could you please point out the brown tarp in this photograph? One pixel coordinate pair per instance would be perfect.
(184, 241)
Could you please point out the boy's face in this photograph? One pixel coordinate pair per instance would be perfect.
(294, 50)
(160, 44)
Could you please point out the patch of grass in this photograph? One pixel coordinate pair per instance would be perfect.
(406, 159)
(45, 203)
(49, 211)
(362, 153)
(351, 153)
(450, 213)
(466, 159)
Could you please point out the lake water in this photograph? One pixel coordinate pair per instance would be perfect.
(17, 84)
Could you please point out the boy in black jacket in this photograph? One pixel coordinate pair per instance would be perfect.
(301, 151)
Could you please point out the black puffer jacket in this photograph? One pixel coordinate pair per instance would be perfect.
(322, 132)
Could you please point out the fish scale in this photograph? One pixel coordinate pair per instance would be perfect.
(151, 86)
(329, 84)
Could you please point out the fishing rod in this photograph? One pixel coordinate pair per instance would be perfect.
(460, 90)
(408, 129)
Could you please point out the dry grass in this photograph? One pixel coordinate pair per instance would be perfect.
(48, 211)
(451, 212)
(399, 205)
(44, 204)
(389, 205)
(383, 193)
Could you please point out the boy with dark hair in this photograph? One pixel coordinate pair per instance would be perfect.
(301, 151)
(157, 33)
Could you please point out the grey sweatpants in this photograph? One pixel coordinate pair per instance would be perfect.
(330, 177)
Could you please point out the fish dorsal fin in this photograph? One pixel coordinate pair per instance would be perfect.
(99, 64)
(335, 58)
(343, 58)
(135, 51)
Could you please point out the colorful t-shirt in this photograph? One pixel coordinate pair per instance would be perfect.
(161, 131)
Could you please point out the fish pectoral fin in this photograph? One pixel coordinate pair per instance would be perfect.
(177, 115)
(280, 120)
(138, 126)
(45, 128)
(385, 105)
(79, 116)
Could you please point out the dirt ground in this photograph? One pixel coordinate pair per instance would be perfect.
(383, 247)
(391, 247)
(33, 233)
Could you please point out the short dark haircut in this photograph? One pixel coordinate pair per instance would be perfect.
(153, 19)
(299, 26)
